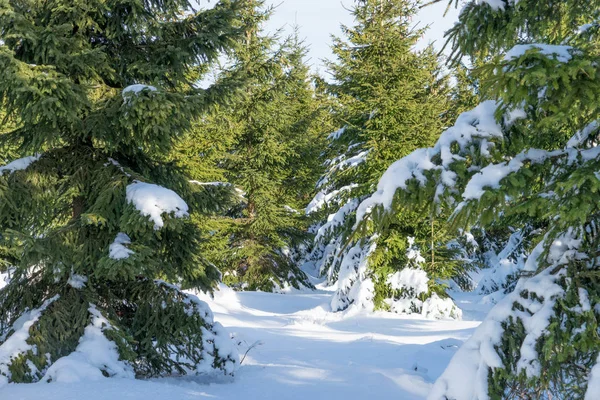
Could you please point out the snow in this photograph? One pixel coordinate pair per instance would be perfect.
(594, 382)
(136, 89)
(495, 4)
(354, 288)
(302, 351)
(413, 279)
(504, 267)
(153, 200)
(322, 198)
(117, 249)
(561, 53)
(491, 175)
(94, 355)
(19, 164)
(336, 135)
(581, 136)
(4, 279)
(77, 281)
(16, 343)
(584, 28)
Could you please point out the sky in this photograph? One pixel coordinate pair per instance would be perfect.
(319, 19)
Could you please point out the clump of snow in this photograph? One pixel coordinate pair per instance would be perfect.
(153, 200)
(134, 90)
(94, 356)
(336, 135)
(117, 249)
(337, 219)
(514, 115)
(561, 53)
(411, 279)
(16, 344)
(19, 164)
(77, 281)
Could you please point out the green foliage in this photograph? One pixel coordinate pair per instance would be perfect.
(64, 65)
(265, 143)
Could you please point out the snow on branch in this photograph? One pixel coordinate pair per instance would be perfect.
(117, 249)
(17, 343)
(19, 164)
(561, 53)
(154, 200)
(94, 356)
(478, 124)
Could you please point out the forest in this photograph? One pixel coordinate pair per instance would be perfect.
(189, 210)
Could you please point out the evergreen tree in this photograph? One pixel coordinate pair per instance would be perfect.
(88, 233)
(267, 141)
(391, 100)
(528, 155)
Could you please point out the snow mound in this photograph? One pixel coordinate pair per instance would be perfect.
(94, 355)
(19, 164)
(153, 200)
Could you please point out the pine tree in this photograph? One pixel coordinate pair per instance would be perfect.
(391, 100)
(94, 217)
(269, 141)
(528, 154)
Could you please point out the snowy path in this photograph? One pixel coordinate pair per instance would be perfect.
(305, 353)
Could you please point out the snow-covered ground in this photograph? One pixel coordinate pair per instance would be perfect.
(300, 351)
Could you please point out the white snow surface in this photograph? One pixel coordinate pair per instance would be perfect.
(19, 164)
(154, 200)
(117, 249)
(300, 351)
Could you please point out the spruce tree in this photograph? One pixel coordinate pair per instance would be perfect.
(391, 100)
(266, 145)
(527, 154)
(94, 216)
